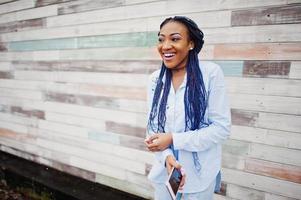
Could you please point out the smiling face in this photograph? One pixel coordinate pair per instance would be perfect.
(174, 45)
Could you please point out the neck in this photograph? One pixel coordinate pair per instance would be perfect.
(178, 71)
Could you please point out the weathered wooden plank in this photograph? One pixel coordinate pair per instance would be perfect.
(125, 129)
(295, 71)
(98, 101)
(262, 183)
(116, 139)
(72, 130)
(28, 113)
(35, 95)
(3, 46)
(269, 196)
(262, 86)
(78, 172)
(17, 5)
(275, 170)
(97, 146)
(266, 69)
(239, 192)
(285, 105)
(275, 154)
(111, 79)
(244, 118)
(6, 75)
(272, 121)
(75, 120)
(235, 147)
(103, 28)
(265, 16)
(280, 122)
(19, 84)
(136, 119)
(52, 44)
(143, 190)
(160, 8)
(266, 136)
(130, 66)
(231, 68)
(5, 66)
(86, 5)
(49, 2)
(29, 14)
(103, 159)
(233, 161)
(6, 1)
(143, 39)
(254, 34)
(18, 120)
(20, 129)
(22, 25)
(257, 51)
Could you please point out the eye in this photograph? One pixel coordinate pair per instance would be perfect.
(175, 39)
(160, 39)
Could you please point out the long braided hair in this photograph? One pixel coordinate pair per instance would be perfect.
(195, 97)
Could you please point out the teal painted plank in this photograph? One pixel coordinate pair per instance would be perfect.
(104, 137)
(36, 45)
(142, 39)
(116, 40)
(231, 68)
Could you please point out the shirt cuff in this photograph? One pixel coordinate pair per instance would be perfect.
(165, 153)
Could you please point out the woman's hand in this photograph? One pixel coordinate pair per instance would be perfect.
(171, 162)
(158, 141)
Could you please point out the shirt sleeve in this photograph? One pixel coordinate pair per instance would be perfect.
(219, 118)
(162, 155)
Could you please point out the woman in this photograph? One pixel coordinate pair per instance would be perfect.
(189, 116)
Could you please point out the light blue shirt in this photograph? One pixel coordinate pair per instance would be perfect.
(206, 142)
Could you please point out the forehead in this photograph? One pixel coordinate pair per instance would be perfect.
(174, 27)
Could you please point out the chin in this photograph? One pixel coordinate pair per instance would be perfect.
(169, 65)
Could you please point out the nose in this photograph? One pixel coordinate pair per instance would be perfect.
(166, 45)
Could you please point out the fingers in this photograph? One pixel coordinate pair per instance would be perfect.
(183, 179)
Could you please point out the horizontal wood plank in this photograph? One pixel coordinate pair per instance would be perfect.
(29, 14)
(17, 5)
(262, 183)
(266, 16)
(275, 170)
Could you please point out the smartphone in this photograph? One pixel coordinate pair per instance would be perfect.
(173, 182)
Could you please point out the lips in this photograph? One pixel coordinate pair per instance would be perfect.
(168, 56)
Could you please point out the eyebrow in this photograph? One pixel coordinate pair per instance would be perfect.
(170, 34)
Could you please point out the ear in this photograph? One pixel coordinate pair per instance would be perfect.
(191, 45)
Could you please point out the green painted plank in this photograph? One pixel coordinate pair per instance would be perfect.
(231, 68)
(36, 45)
(142, 39)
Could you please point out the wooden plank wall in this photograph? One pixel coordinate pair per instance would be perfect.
(73, 79)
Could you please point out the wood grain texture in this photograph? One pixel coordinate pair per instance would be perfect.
(17, 5)
(262, 183)
(266, 69)
(130, 66)
(33, 13)
(22, 25)
(3, 46)
(266, 16)
(28, 113)
(258, 51)
(86, 5)
(49, 2)
(6, 75)
(125, 129)
(276, 170)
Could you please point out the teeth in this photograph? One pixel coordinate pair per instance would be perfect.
(169, 54)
